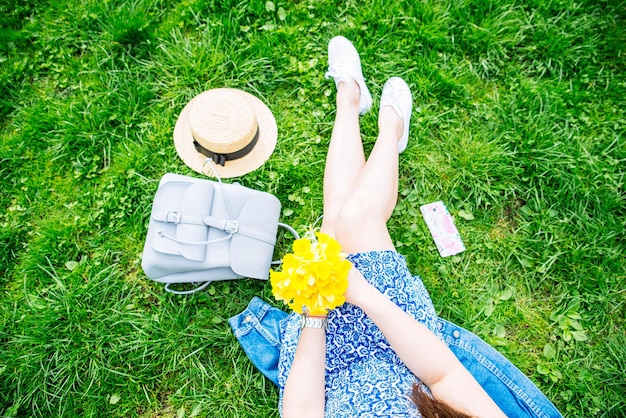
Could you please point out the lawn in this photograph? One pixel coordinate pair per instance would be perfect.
(519, 126)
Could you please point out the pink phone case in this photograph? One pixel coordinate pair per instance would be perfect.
(441, 226)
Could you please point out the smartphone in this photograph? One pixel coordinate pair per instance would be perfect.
(441, 226)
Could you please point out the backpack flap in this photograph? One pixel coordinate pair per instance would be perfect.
(193, 235)
(177, 212)
(252, 246)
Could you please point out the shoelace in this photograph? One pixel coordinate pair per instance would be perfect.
(393, 98)
(339, 70)
(332, 72)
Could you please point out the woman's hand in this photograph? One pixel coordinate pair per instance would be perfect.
(421, 350)
(359, 290)
(304, 396)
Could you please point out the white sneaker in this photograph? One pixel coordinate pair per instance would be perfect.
(397, 94)
(344, 64)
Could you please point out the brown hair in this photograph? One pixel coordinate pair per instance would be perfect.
(432, 408)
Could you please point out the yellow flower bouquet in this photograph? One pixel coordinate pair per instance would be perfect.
(314, 275)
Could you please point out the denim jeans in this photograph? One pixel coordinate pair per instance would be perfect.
(257, 329)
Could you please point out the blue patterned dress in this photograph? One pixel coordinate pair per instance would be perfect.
(364, 377)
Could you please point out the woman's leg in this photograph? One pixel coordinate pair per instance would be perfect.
(362, 221)
(345, 158)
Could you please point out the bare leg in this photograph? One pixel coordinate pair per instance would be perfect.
(362, 222)
(345, 158)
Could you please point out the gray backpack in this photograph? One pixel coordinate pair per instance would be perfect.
(202, 230)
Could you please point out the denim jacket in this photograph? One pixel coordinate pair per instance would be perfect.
(257, 329)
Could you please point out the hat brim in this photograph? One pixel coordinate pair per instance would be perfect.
(263, 149)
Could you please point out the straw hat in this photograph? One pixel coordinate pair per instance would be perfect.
(234, 128)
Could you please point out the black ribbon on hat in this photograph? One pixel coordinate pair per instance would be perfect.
(222, 158)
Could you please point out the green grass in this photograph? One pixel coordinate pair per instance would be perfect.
(519, 124)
